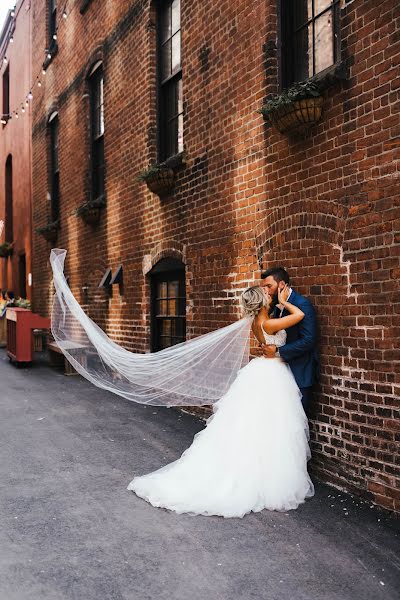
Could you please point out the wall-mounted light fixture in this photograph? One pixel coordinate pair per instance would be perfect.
(106, 281)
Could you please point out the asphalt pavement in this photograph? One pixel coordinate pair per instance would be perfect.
(69, 529)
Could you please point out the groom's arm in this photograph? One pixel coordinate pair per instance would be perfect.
(308, 335)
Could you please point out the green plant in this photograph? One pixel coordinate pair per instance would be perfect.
(151, 171)
(47, 228)
(22, 303)
(299, 91)
(89, 205)
(6, 249)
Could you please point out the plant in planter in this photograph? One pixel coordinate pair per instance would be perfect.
(158, 177)
(49, 231)
(294, 110)
(90, 211)
(23, 303)
(6, 249)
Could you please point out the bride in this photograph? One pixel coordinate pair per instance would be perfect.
(253, 453)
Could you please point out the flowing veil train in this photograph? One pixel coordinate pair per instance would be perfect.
(196, 372)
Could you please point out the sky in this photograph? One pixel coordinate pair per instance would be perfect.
(5, 5)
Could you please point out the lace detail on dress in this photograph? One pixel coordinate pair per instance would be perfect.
(278, 339)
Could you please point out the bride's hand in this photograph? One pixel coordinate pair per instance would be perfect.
(283, 295)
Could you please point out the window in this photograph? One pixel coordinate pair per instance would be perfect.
(309, 38)
(96, 84)
(22, 275)
(6, 93)
(168, 323)
(54, 168)
(170, 77)
(52, 22)
(9, 225)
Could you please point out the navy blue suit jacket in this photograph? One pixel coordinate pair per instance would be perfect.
(300, 350)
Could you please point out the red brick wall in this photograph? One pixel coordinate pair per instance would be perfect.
(15, 140)
(323, 206)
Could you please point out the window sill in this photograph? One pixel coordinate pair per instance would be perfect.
(174, 162)
(330, 76)
(326, 78)
(53, 50)
(84, 6)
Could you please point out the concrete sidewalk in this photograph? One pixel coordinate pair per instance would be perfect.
(69, 529)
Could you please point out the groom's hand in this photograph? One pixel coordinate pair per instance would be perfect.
(259, 351)
(269, 351)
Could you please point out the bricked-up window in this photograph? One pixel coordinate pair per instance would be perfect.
(6, 93)
(96, 83)
(170, 89)
(168, 318)
(54, 168)
(52, 21)
(9, 212)
(309, 38)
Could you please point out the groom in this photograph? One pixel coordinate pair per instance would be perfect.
(300, 350)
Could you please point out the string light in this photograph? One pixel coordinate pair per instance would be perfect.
(4, 118)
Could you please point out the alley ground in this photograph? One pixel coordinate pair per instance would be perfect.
(69, 529)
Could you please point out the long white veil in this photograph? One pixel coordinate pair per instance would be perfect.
(196, 372)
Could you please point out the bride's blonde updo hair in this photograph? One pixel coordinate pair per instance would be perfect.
(252, 300)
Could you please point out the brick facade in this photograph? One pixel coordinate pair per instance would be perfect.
(15, 145)
(324, 206)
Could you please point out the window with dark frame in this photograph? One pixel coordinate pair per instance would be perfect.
(22, 275)
(96, 82)
(170, 79)
(9, 212)
(54, 169)
(52, 21)
(6, 94)
(168, 308)
(309, 38)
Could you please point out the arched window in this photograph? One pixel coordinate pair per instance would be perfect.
(54, 167)
(168, 305)
(96, 88)
(170, 79)
(9, 225)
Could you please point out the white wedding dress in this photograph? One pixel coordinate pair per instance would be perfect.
(252, 454)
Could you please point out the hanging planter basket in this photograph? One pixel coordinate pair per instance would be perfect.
(160, 180)
(6, 250)
(49, 231)
(90, 212)
(295, 110)
(91, 216)
(298, 116)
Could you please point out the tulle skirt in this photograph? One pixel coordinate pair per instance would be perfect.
(251, 456)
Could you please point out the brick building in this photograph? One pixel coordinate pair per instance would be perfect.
(15, 149)
(136, 82)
